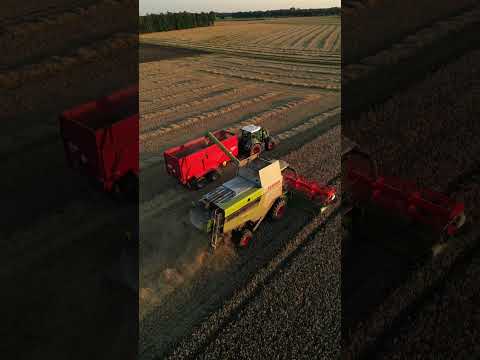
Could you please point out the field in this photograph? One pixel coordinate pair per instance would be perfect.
(304, 40)
(418, 120)
(225, 77)
(58, 235)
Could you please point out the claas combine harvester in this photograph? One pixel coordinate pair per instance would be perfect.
(375, 203)
(259, 190)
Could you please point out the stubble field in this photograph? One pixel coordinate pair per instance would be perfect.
(296, 96)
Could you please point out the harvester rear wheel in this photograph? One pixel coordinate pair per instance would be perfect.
(278, 209)
(246, 237)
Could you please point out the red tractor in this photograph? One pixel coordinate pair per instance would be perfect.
(374, 200)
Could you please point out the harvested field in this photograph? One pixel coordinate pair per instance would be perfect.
(296, 97)
(316, 40)
(59, 234)
(428, 134)
(384, 22)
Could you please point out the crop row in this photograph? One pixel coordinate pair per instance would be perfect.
(150, 102)
(276, 111)
(145, 139)
(160, 112)
(310, 84)
(251, 69)
(282, 66)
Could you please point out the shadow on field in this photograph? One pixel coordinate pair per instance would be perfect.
(149, 53)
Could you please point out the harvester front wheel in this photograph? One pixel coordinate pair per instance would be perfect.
(256, 149)
(278, 208)
(246, 237)
(270, 144)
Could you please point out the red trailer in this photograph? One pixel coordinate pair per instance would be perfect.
(101, 140)
(197, 161)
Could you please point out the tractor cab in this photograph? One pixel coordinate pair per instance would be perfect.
(255, 139)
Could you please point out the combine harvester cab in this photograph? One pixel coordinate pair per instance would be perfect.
(395, 205)
(101, 140)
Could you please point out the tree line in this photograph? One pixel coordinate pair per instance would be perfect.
(282, 13)
(174, 21)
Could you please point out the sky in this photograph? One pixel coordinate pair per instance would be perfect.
(158, 6)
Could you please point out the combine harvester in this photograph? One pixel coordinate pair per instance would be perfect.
(260, 189)
(199, 161)
(101, 140)
(382, 206)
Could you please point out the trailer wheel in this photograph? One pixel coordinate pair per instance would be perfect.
(201, 183)
(256, 149)
(214, 175)
(196, 184)
(246, 237)
(131, 186)
(278, 209)
(117, 190)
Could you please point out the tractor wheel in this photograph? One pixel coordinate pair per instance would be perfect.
(245, 239)
(256, 149)
(278, 209)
